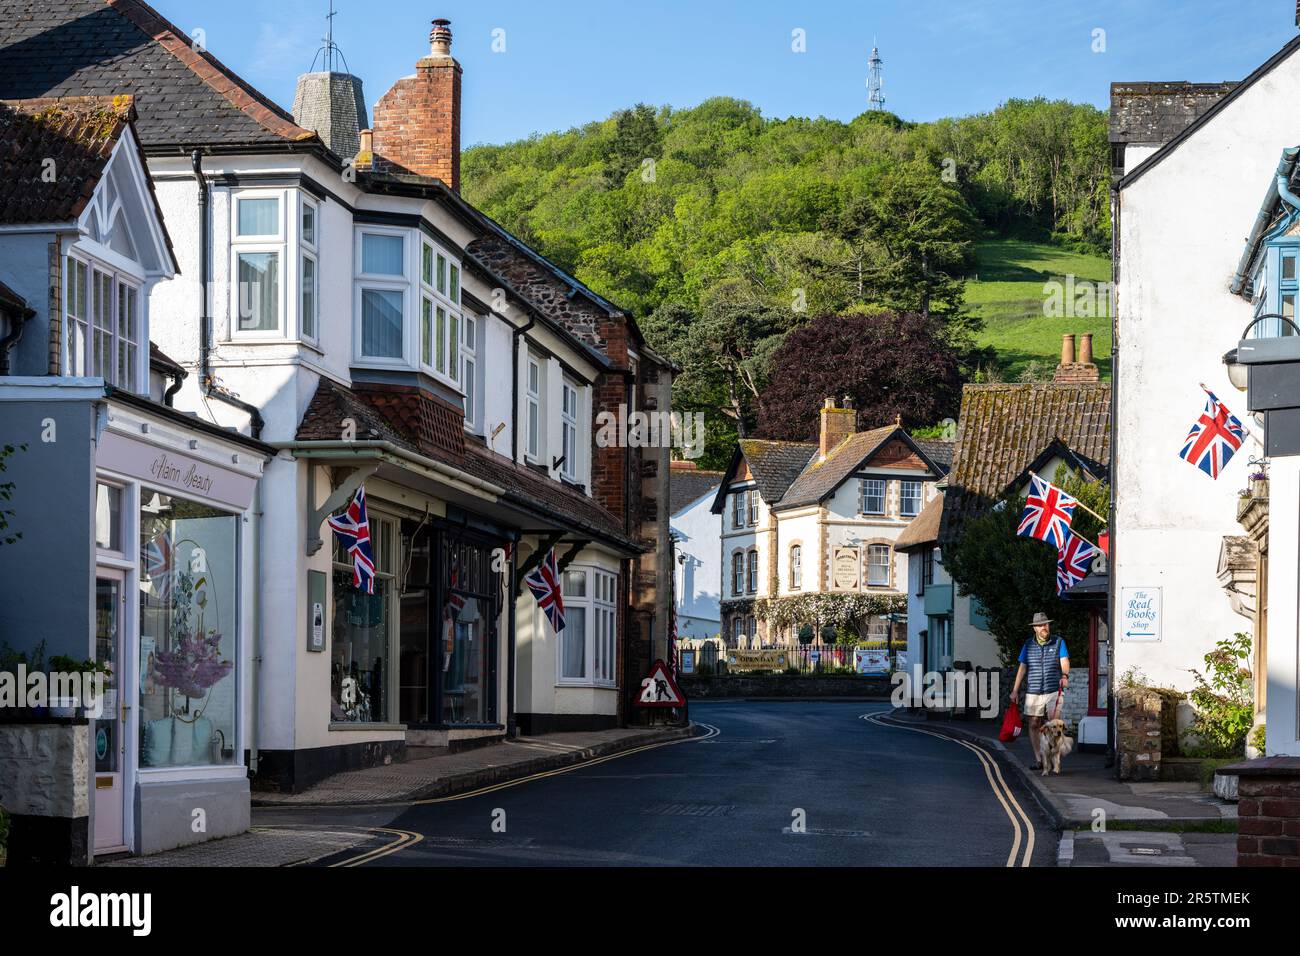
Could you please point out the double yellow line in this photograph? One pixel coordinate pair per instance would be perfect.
(406, 838)
(999, 786)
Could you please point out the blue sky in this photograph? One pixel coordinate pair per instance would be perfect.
(567, 63)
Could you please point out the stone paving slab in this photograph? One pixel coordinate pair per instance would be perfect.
(271, 846)
(1085, 784)
(449, 773)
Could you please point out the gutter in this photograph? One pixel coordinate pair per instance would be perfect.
(1278, 189)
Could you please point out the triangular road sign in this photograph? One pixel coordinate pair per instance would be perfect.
(659, 689)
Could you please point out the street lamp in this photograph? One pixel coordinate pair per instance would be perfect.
(1268, 371)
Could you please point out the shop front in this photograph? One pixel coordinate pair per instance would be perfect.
(174, 557)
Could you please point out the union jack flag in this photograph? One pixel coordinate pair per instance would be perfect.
(1073, 560)
(544, 582)
(158, 565)
(1214, 439)
(353, 531)
(1048, 513)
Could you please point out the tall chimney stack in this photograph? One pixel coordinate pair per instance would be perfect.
(837, 424)
(417, 122)
(1078, 371)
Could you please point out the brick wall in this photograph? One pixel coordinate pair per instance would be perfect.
(1138, 712)
(1268, 812)
(417, 123)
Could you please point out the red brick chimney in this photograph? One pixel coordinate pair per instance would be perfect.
(837, 424)
(417, 122)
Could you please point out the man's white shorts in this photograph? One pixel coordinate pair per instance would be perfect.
(1039, 705)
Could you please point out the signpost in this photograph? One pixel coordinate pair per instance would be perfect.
(1139, 614)
(658, 689)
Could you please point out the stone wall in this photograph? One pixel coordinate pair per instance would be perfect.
(45, 789)
(1139, 714)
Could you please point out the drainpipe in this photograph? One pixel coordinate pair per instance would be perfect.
(18, 317)
(1112, 624)
(514, 386)
(169, 396)
(511, 601)
(255, 422)
(206, 383)
(1279, 188)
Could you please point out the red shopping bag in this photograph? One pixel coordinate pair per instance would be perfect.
(1011, 725)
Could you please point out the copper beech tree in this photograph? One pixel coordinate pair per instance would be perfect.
(890, 364)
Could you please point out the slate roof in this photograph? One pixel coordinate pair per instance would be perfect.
(937, 450)
(776, 464)
(922, 530)
(1152, 114)
(407, 426)
(109, 47)
(77, 133)
(1003, 428)
(687, 486)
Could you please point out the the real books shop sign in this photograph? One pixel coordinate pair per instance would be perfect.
(1139, 614)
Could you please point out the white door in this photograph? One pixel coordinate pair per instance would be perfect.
(109, 730)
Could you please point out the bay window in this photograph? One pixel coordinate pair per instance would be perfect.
(308, 297)
(381, 323)
(104, 324)
(441, 327)
(256, 246)
(307, 318)
(569, 429)
(533, 446)
(588, 644)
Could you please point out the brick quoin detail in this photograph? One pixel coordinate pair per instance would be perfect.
(1268, 828)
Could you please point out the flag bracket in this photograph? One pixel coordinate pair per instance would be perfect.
(537, 557)
(337, 499)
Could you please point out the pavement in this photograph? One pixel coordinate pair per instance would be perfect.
(1109, 822)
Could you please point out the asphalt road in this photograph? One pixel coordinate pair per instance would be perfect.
(773, 784)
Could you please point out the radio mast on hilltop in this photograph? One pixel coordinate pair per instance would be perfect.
(875, 80)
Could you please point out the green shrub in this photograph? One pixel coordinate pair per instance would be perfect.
(1224, 709)
(1257, 738)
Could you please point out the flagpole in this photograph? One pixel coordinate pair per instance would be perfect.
(1081, 504)
(1244, 428)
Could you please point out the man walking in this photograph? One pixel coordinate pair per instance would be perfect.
(1047, 664)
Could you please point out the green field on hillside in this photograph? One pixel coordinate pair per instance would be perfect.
(1009, 296)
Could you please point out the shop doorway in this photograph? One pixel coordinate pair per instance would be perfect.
(109, 736)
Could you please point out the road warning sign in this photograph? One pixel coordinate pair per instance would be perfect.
(658, 689)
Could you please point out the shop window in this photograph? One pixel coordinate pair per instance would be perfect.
(468, 633)
(189, 648)
(361, 636)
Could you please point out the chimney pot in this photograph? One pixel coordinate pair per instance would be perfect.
(830, 402)
(1067, 348)
(1085, 345)
(440, 38)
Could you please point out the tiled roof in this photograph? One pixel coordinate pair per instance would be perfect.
(1003, 428)
(184, 95)
(923, 530)
(687, 486)
(77, 133)
(775, 464)
(820, 478)
(391, 418)
(160, 360)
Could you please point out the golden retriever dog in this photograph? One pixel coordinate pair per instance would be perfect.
(1053, 744)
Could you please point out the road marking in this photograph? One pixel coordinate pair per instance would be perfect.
(993, 773)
